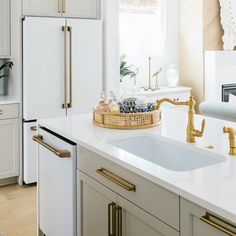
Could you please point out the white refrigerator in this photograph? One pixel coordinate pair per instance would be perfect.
(62, 75)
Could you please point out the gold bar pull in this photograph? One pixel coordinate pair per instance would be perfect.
(223, 228)
(69, 29)
(63, 6)
(59, 4)
(33, 128)
(59, 153)
(119, 220)
(1, 112)
(117, 179)
(112, 219)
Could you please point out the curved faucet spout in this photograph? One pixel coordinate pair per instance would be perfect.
(192, 133)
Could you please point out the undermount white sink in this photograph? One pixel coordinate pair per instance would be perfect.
(167, 153)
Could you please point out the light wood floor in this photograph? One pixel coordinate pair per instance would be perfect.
(18, 211)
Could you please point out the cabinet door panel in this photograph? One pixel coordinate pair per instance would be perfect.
(9, 157)
(41, 7)
(93, 206)
(81, 8)
(137, 222)
(86, 64)
(5, 28)
(192, 225)
(43, 67)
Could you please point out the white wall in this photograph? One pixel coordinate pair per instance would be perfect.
(109, 15)
(220, 68)
(162, 59)
(15, 79)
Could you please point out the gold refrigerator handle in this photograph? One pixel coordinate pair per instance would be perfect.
(65, 105)
(69, 29)
(112, 219)
(59, 153)
(207, 219)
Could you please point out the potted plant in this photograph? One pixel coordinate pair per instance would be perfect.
(4, 74)
(127, 70)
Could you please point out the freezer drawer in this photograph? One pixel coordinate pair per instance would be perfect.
(56, 184)
(29, 153)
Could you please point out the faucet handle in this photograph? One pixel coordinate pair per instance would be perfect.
(228, 130)
(200, 133)
(232, 143)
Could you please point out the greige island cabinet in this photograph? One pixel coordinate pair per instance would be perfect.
(196, 221)
(111, 214)
(61, 8)
(5, 28)
(116, 202)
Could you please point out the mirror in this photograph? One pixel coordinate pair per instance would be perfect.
(228, 21)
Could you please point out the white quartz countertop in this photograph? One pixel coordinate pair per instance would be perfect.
(212, 187)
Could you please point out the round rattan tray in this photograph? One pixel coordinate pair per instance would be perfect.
(126, 121)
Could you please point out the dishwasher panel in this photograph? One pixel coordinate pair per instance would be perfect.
(56, 184)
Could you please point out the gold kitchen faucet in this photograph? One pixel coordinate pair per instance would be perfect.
(232, 143)
(192, 133)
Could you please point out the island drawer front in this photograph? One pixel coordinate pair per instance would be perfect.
(9, 111)
(154, 199)
(202, 222)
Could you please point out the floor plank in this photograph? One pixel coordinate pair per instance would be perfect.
(18, 210)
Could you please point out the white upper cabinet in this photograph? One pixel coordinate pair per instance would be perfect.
(5, 28)
(42, 7)
(61, 8)
(80, 8)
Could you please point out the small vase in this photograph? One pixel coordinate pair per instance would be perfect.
(172, 76)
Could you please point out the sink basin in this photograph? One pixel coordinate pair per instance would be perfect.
(169, 154)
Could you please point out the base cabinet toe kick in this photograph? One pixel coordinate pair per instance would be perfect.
(96, 197)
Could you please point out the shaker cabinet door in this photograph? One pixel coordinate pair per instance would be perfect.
(81, 8)
(5, 28)
(42, 7)
(9, 147)
(95, 204)
(196, 221)
(134, 221)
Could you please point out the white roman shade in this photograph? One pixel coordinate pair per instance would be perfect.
(147, 6)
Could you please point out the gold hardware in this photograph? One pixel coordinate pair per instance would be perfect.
(119, 220)
(33, 128)
(215, 224)
(117, 179)
(112, 219)
(65, 105)
(192, 133)
(232, 143)
(59, 9)
(59, 153)
(1, 112)
(63, 6)
(69, 28)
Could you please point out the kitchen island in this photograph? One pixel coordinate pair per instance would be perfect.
(159, 200)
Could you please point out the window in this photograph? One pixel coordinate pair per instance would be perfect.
(142, 33)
